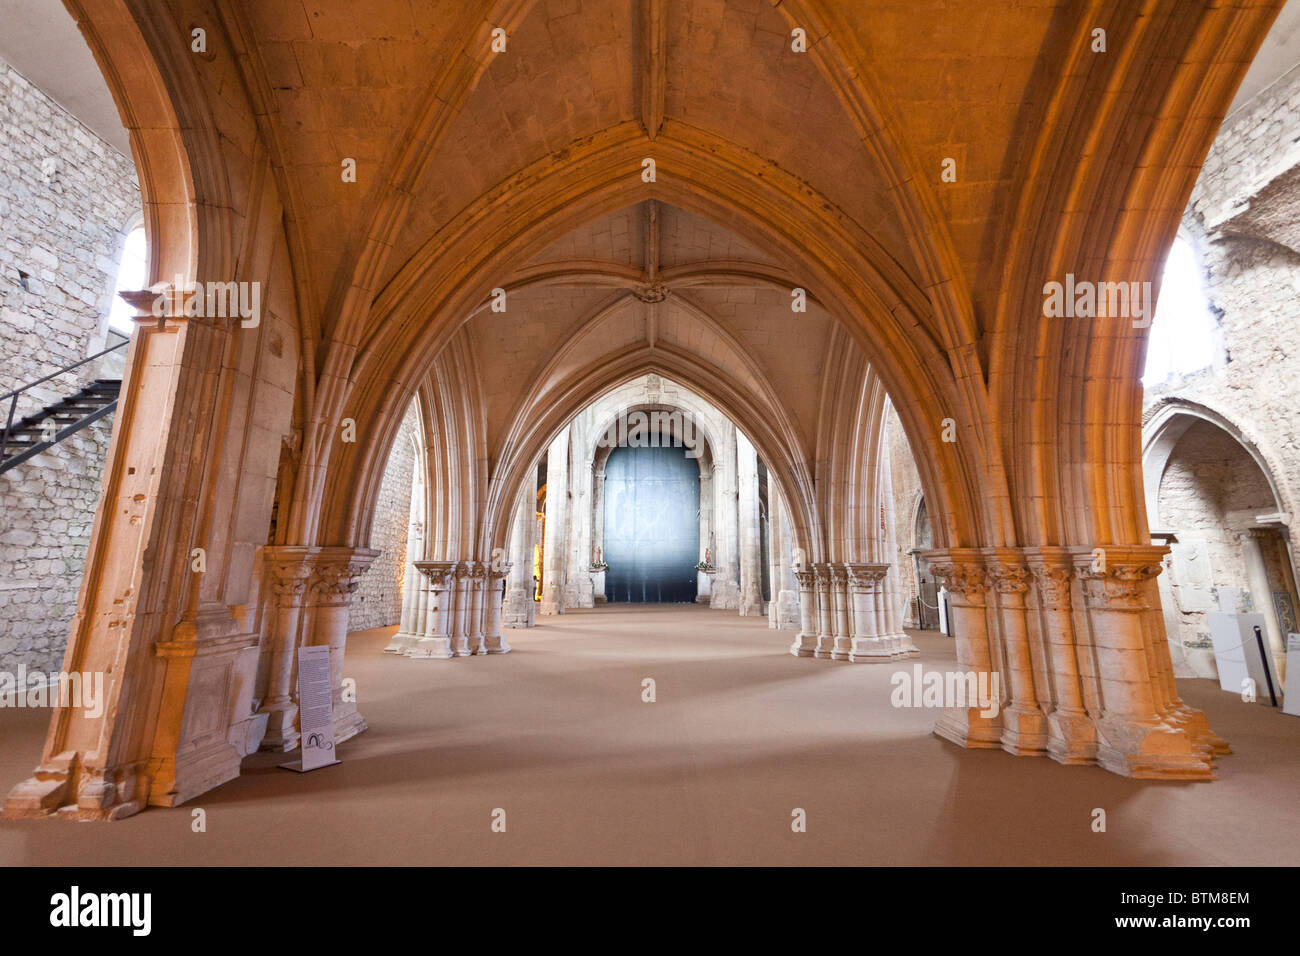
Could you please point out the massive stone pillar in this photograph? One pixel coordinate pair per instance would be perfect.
(868, 645)
(519, 606)
(435, 642)
(805, 642)
(178, 665)
(557, 525)
(748, 534)
(1132, 738)
(963, 573)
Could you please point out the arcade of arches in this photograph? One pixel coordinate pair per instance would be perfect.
(658, 306)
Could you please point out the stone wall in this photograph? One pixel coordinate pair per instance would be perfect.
(1208, 476)
(66, 200)
(378, 600)
(1243, 221)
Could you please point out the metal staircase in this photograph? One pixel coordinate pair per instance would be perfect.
(35, 433)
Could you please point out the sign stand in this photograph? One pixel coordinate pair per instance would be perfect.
(315, 711)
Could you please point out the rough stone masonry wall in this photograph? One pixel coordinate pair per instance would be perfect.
(378, 600)
(66, 198)
(1244, 223)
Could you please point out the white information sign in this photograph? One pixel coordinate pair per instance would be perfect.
(1291, 702)
(315, 709)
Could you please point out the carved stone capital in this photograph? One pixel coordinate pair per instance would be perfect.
(864, 578)
(438, 572)
(806, 579)
(967, 579)
(1053, 585)
(1009, 578)
(336, 580)
(1116, 578)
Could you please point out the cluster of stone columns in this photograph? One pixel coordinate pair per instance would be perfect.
(846, 615)
(311, 592)
(1077, 636)
(453, 611)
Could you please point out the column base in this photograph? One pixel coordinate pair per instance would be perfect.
(843, 649)
(1195, 724)
(904, 644)
(431, 649)
(1151, 751)
(1024, 731)
(281, 727)
(1071, 738)
(875, 650)
(96, 798)
(825, 649)
(348, 723)
(401, 643)
(804, 645)
(965, 727)
(498, 645)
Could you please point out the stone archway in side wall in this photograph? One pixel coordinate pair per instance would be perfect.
(1217, 555)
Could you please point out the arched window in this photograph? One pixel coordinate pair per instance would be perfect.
(130, 275)
(1182, 334)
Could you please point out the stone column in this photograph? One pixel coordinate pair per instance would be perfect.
(725, 590)
(784, 587)
(474, 638)
(842, 645)
(962, 571)
(335, 575)
(414, 586)
(494, 641)
(462, 599)
(286, 571)
(747, 533)
(805, 642)
(518, 607)
(579, 591)
(825, 612)
(868, 645)
(435, 640)
(557, 525)
(1071, 736)
(708, 546)
(598, 531)
(1132, 740)
(1024, 726)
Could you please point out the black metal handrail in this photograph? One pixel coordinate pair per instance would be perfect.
(13, 396)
